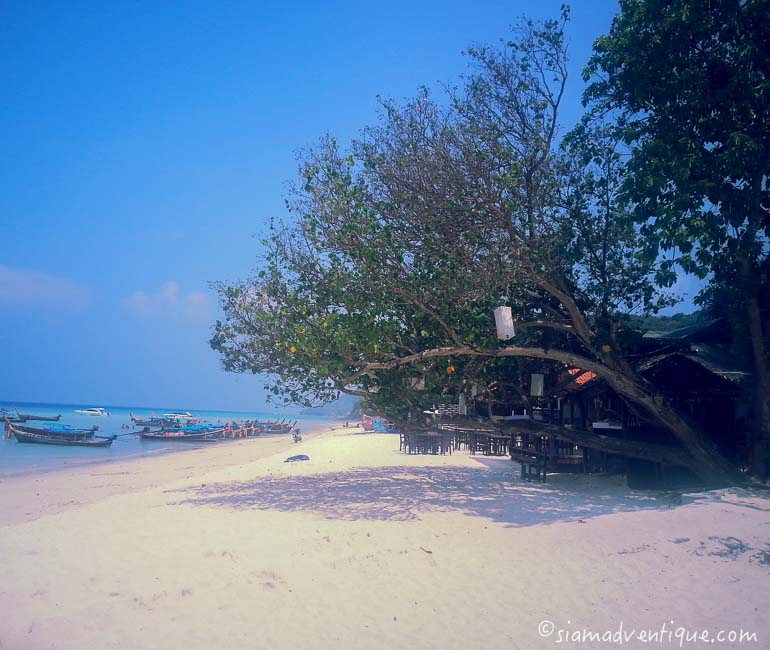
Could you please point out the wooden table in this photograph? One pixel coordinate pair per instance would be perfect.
(429, 442)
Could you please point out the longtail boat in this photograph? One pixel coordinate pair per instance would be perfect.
(152, 421)
(165, 422)
(279, 427)
(204, 433)
(56, 429)
(70, 439)
(44, 418)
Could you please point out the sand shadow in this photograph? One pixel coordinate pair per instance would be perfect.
(404, 493)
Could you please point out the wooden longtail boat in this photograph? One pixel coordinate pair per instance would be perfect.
(279, 427)
(165, 422)
(43, 418)
(64, 440)
(59, 430)
(181, 435)
(95, 441)
(148, 422)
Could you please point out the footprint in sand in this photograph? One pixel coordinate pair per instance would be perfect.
(140, 603)
(268, 580)
(726, 547)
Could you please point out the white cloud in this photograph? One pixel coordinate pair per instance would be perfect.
(170, 302)
(169, 292)
(139, 302)
(21, 287)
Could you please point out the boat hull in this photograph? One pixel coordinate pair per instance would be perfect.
(205, 436)
(96, 414)
(41, 418)
(62, 432)
(97, 441)
(157, 422)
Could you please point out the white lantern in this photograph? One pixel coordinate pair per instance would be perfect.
(504, 323)
(418, 383)
(462, 408)
(536, 385)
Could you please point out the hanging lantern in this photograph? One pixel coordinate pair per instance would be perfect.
(504, 323)
(536, 385)
(418, 383)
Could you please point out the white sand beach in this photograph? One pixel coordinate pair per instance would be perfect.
(365, 547)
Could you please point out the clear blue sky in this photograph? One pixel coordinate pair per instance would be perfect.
(145, 145)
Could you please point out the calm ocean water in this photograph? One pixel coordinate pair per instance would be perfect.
(18, 459)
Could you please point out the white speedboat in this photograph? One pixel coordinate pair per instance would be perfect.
(185, 415)
(92, 411)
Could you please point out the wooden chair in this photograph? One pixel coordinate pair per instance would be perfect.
(462, 437)
(479, 443)
(447, 442)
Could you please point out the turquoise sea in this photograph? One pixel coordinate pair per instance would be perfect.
(19, 459)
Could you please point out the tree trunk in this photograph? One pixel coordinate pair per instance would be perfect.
(708, 463)
(752, 287)
(665, 455)
(761, 393)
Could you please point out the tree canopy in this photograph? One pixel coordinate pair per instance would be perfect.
(403, 243)
(687, 86)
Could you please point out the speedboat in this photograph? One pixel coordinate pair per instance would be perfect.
(185, 415)
(92, 411)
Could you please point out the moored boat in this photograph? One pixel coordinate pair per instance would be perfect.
(279, 427)
(162, 422)
(167, 421)
(96, 411)
(189, 434)
(179, 415)
(56, 429)
(23, 417)
(68, 439)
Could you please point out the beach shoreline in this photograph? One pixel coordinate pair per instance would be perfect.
(62, 487)
(27, 459)
(363, 546)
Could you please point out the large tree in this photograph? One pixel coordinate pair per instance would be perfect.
(404, 244)
(687, 83)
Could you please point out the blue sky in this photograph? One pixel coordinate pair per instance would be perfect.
(146, 146)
